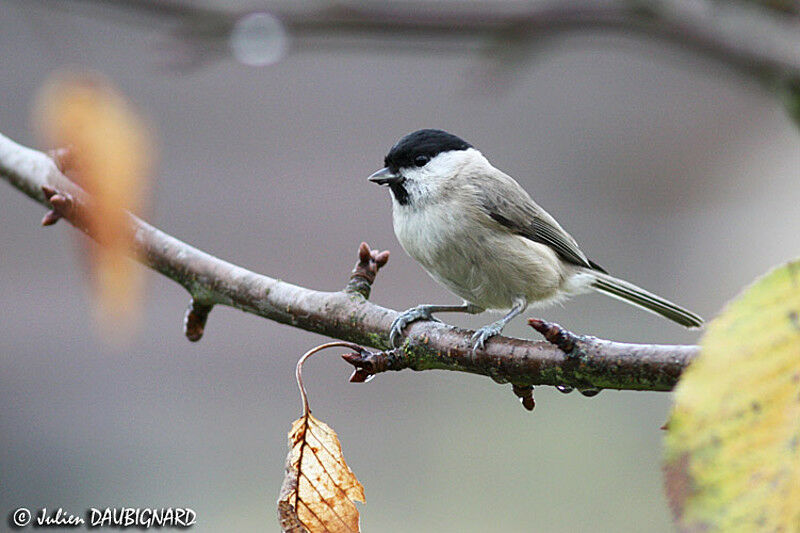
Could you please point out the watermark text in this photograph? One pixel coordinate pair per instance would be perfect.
(112, 517)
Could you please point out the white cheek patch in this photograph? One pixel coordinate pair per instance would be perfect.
(420, 184)
(451, 163)
(425, 183)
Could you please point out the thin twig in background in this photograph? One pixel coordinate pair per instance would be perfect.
(757, 38)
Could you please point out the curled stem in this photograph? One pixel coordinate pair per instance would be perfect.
(299, 368)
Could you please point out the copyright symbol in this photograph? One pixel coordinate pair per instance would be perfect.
(21, 517)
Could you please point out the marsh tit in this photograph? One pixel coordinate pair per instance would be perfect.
(476, 231)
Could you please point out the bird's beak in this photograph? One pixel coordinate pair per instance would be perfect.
(384, 177)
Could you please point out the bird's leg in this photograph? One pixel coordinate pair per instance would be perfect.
(486, 332)
(425, 312)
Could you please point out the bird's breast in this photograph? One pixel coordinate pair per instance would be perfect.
(482, 265)
(427, 233)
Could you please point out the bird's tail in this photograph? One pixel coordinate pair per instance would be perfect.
(630, 293)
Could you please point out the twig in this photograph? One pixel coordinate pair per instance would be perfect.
(363, 275)
(298, 370)
(194, 323)
(750, 37)
(348, 315)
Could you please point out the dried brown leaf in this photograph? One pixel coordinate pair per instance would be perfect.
(110, 153)
(319, 489)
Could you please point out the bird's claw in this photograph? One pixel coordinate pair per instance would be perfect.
(421, 312)
(484, 334)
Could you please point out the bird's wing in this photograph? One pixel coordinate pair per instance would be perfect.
(506, 202)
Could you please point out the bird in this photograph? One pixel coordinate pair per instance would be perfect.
(476, 231)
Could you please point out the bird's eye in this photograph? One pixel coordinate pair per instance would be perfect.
(421, 160)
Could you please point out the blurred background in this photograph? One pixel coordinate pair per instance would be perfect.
(673, 169)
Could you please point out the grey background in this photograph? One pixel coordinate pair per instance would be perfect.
(672, 171)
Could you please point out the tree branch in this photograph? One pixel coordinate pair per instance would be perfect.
(566, 360)
(760, 40)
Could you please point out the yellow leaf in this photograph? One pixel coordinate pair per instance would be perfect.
(733, 443)
(319, 488)
(110, 154)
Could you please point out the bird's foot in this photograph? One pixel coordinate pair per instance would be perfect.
(421, 312)
(485, 333)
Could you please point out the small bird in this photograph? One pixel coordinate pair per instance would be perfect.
(476, 231)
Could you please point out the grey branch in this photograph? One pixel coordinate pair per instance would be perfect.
(565, 360)
(758, 38)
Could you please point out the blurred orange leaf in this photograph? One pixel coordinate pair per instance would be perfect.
(109, 153)
(319, 489)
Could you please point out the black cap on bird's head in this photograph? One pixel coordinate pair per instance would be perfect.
(415, 150)
(421, 145)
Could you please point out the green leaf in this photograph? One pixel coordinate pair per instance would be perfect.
(733, 441)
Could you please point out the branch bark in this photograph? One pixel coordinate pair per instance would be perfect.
(759, 40)
(566, 360)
